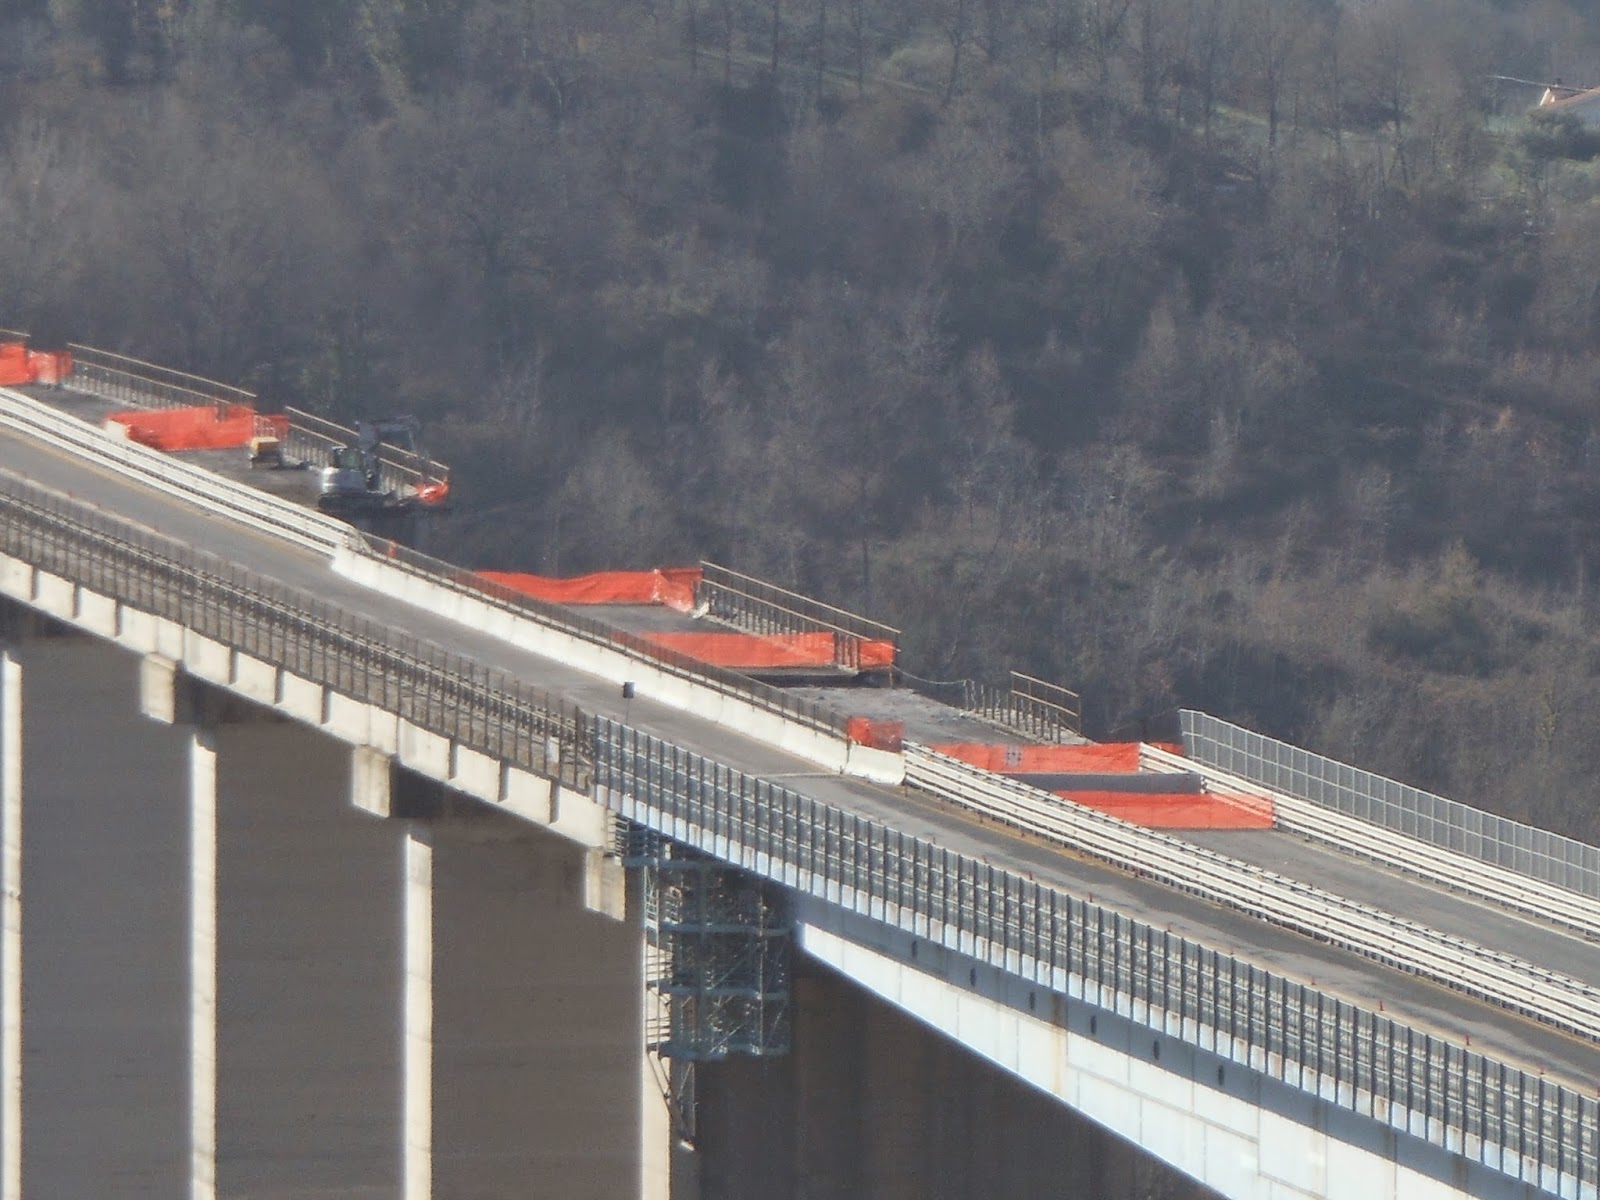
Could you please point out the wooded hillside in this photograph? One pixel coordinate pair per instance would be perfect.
(1241, 354)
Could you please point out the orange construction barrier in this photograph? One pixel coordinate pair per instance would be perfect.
(751, 650)
(202, 427)
(49, 366)
(18, 365)
(875, 654)
(1186, 810)
(673, 587)
(1098, 759)
(879, 735)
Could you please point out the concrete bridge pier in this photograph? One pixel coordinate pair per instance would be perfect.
(294, 969)
(525, 1071)
(95, 942)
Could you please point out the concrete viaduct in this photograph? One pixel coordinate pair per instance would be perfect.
(324, 875)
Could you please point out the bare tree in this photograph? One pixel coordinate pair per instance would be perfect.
(858, 41)
(955, 19)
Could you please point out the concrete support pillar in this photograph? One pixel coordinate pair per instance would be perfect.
(99, 959)
(523, 1024)
(306, 951)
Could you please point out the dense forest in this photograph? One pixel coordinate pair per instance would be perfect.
(1239, 354)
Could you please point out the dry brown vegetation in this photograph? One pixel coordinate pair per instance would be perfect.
(1233, 353)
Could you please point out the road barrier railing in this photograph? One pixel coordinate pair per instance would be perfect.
(140, 384)
(1394, 941)
(312, 439)
(765, 609)
(1457, 871)
(1560, 874)
(1513, 1121)
(1033, 707)
(443, 692)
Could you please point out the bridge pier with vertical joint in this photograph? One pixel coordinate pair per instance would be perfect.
(294, 952)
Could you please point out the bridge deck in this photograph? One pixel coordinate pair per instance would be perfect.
(1426, 1005)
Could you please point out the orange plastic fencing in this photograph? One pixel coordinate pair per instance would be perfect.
(875, 654)
(1098, 759)
(1153, 810)
(751, 650)
(49, 366)
(1186, 810)
(879, 735)
(673, 587)
(18, 364)
(202, 427)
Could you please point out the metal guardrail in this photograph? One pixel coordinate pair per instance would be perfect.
(146, 385)
(1510, 1120)
(1395, 941)
(1034, 708)
(1456, 871)
(141, 384)
(282, 519)
(1498, 841)
(445, 693)
(765, 608)
(1027, 706)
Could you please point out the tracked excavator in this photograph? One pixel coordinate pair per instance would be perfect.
(352, 483)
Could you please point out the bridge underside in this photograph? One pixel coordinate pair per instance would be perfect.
(1215, 1122)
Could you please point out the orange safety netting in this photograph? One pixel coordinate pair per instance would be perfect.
(878, 735)
(18, 364)
(1185, 810)
(1100, 759)
(870, 654)
(751, 650)
(673, 587)
(202, 427)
